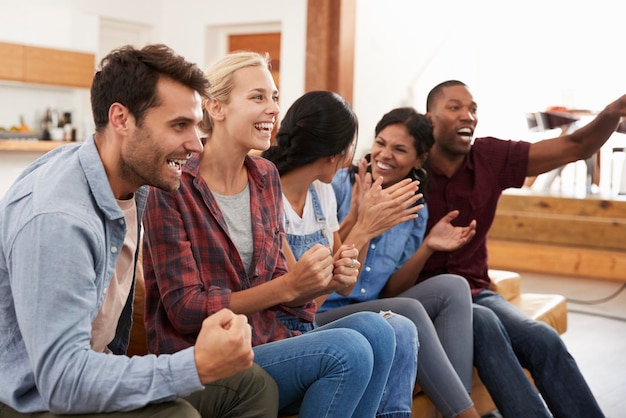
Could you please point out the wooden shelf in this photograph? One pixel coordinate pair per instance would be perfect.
(25, 145)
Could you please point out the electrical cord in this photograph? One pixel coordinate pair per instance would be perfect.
(597, 314)
(601, 300)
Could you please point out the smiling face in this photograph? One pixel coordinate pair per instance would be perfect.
(393, 154)
(252, 108)
(454, 119)
(155, 149)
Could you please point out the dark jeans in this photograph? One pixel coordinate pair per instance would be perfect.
(507, 340)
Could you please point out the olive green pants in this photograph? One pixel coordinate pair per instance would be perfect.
(248, 394)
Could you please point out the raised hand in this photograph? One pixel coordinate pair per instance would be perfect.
(446, 237)
(362, 183)
(382, 209)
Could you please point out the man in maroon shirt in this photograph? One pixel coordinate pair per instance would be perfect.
(470, 175)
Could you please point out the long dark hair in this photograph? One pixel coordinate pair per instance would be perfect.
(318, 124)
(418, 126)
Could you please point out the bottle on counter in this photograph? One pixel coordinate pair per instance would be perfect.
(69, 133)
(46, 125)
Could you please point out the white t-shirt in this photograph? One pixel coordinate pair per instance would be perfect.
(104, 325)
(308, 223)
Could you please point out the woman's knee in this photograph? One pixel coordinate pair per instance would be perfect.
(455, 287)
(405, 332)
(373, 326)
(410, 308)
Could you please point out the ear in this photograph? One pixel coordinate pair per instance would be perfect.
(214, 109)
(419, 163)
(120, 118)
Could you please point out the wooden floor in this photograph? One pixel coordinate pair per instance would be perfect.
(596, 335)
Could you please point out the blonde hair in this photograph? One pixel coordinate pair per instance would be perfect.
(221, 76)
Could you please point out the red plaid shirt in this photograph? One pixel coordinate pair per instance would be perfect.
(191, 265)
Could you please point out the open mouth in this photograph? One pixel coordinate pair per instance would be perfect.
(176, 165)
(465, 133)
(383, 166)
(265, 127)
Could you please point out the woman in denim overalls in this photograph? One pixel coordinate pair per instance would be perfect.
(312, 146)
(398, 395)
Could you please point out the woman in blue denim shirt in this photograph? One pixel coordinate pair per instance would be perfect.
(379, 219)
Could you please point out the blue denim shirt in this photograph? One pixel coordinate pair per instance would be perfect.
(386, 253)
(60, 234)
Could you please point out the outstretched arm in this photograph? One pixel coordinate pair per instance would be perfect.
(549, 154)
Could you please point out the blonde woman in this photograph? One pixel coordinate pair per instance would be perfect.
(217, 243)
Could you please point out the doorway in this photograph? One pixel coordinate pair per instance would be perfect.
(262, 43)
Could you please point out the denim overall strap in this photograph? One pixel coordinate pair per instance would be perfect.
(299, 244)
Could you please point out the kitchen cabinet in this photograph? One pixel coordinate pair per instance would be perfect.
(50, 66)
(12, 59)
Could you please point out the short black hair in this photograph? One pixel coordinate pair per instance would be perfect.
(436, 91)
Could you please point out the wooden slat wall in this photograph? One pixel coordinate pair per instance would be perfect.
(575, 237)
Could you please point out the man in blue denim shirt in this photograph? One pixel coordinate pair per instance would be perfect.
(69, 235)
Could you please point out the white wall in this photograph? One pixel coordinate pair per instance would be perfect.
(516, 57)
(196, 29)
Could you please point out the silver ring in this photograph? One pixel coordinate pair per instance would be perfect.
(353, 263)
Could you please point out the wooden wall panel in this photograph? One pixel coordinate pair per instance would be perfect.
(11, 62)
(560, 260)
(575, 237)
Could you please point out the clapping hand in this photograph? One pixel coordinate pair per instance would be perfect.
(446, 237)
(381, 209)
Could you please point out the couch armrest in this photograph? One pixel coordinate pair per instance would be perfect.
(548, 308)
(506, 283)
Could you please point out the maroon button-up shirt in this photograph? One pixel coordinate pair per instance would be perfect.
(191, 265)
(491, 166)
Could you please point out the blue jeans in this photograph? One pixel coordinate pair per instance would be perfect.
(444, 327)
(507, 340)
(334, 370)
(397, 397)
